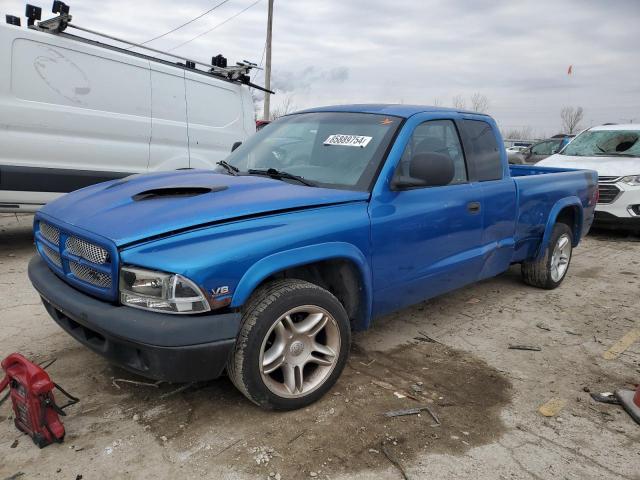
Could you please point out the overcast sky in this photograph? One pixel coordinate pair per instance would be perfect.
(421, 51)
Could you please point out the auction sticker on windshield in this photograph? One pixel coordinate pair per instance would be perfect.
(348, 140)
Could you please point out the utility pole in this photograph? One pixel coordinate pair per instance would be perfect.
(267, 68)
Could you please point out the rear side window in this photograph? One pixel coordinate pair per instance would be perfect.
(482, 149)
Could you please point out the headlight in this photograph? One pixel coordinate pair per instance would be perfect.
(162, 292)
(633, 180)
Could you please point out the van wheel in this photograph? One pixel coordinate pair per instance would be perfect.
(549, 271)
(292, 346)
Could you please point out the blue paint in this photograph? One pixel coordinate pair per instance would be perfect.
(406, 245)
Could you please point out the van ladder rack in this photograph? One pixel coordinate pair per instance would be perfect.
(57, 25)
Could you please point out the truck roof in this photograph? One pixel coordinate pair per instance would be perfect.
(396, 109)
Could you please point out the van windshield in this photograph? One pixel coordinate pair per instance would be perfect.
(328, 149)
(605, 143)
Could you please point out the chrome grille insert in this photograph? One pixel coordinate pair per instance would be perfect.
(50, 233)
(607, 179)
(86, 250)
(89, 275)
(51, 254)
(608, 193)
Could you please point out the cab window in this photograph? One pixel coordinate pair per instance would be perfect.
(436, 136)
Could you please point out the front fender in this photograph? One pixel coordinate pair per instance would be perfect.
(571, 201)
(280, 261)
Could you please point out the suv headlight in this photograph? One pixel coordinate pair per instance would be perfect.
(161, 292)
(633, 180)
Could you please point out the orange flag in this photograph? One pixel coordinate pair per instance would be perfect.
(570, 70)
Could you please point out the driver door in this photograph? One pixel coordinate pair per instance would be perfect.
(426, 240)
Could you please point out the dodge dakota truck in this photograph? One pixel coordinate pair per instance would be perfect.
(321, 222)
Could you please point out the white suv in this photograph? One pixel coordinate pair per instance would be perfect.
(614, 152)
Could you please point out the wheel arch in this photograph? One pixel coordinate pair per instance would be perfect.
(338, 267)
(568, 211)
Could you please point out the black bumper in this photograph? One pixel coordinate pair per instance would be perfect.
(607, 220)
(173, 348)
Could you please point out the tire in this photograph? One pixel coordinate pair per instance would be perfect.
(540, 273)
(277, 328)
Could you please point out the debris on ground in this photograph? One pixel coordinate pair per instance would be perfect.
(262, 455)
(177, 390)
(532, 348)
(552, 407)
(621, 345)
(15, 443)
(542, 326)
(394, 461)
(606, 397)
(423, 337)
(405, 412)
(116, 381)
(15, 476)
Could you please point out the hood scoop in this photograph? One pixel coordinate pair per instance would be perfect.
(175, 192)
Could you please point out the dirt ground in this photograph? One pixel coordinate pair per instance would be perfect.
(449, 354)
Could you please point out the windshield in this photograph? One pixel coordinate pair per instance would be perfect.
(605, 143)
(329, 149)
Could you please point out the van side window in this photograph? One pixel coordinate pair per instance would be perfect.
(482, 149)
(437, 136)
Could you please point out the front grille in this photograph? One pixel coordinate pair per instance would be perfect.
(86, 250)
(86, 264)
(50, 232)
(90, 275)
(608, 193)
(607, 179)
(52, 255)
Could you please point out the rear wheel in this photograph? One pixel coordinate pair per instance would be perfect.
(292, 347)
(550, 270)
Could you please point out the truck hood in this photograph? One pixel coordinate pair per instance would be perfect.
(142, 206)
(605, 166)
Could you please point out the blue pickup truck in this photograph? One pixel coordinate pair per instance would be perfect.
(318, 224)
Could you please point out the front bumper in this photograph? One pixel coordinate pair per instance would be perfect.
(625, 205)
(173, 348)
(610, 221)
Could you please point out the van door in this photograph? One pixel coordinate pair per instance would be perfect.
(216, 120)
(169, 148)
(75, 114)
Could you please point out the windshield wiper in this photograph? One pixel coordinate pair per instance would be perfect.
(280, 174)
(616, 154)
(231, 170)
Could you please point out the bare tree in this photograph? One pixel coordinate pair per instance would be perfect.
(287, 106)
(437, 102)
(522, 133)
(458, 102)
(479, 103)
(571, 118)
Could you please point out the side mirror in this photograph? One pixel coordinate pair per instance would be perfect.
(426, 170)
(235, 145)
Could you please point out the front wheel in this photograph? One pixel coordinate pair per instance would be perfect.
(549, 271)
(292, 346)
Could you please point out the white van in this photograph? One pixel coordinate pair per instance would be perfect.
(74, 113)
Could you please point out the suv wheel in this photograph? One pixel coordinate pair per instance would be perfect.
(549, 271)
(292, 346)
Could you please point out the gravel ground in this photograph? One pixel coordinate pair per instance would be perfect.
(450, 354)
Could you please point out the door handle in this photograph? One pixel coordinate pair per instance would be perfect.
(473, 207)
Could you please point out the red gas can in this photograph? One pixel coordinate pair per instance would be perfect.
(34, 406)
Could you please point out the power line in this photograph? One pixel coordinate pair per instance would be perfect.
(215, 26)
(186, 23)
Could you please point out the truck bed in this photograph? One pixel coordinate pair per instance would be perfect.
(539, 190)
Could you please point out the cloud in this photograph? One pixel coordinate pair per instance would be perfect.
(516, 53)
(303, 80)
